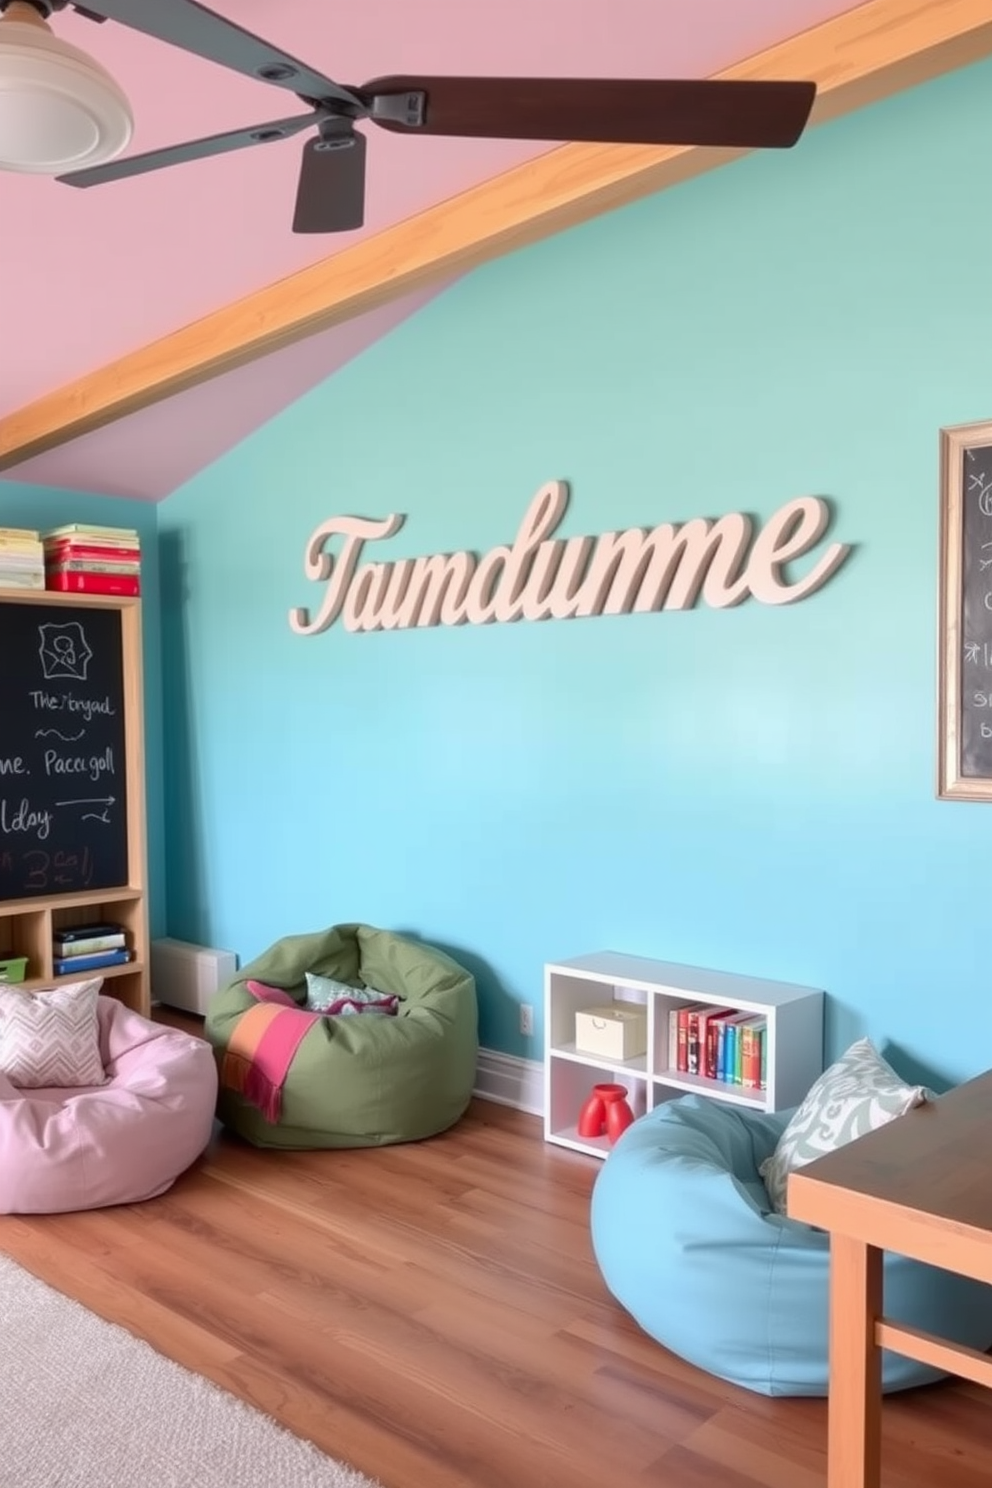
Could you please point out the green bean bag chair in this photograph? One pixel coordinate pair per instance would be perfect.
(292, 1078)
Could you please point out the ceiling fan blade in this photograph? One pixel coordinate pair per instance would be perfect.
(186, 24)
(215, 144)
(331, 193)
(680, 111)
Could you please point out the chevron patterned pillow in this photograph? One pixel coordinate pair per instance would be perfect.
(51, 1038)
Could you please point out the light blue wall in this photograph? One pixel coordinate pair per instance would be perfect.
(748, 789)
(37, 506)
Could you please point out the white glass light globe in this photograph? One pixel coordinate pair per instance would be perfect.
(59, 110)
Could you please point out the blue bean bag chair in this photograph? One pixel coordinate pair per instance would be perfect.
(687, 1241)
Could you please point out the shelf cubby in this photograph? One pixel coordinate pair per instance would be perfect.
(793, 1014)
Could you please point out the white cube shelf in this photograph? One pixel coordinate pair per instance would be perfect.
(794, 1038)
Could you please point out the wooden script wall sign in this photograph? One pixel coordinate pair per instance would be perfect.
(541, 577)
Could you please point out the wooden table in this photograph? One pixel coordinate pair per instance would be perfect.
(921, 1186)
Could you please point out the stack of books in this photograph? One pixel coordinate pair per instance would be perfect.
(81, 558)
(82, 948)
(22, 559)
(719, 1043)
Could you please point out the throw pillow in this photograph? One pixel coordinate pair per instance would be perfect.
(51, 1038)
(325, 995)
(858, 1094)
(265, 993)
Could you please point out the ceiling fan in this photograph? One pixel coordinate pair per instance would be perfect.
(331, 191)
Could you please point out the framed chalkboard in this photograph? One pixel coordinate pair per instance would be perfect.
(964, 738)
(67, 688)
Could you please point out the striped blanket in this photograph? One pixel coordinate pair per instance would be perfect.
(262, 1046)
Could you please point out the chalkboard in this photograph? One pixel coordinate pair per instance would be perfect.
(965, 739)
(63, 785)
(976, 635)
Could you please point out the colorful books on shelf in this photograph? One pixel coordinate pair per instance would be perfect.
(22, 558)
(85, 559)
(81, 948)
(718, 1043)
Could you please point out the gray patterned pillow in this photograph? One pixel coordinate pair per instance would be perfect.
(858, 1094)
(328, 995)
(52, 1037)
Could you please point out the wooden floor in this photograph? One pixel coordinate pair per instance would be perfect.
(432, 1314)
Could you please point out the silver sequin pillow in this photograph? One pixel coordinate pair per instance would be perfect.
(858, 1094)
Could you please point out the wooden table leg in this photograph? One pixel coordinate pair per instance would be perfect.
(855, 1408)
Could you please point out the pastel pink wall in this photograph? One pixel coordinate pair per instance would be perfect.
(90, 275)
(153, 452)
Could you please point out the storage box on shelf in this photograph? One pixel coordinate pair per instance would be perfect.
(618, 1031)
(793, 1037)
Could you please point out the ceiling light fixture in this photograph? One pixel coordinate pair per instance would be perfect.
(59, 110)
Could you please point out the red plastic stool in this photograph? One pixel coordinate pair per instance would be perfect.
(606, 1112)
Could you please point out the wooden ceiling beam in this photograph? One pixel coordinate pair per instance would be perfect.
(866, 54)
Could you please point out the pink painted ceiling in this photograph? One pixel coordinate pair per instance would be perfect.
(86, 276)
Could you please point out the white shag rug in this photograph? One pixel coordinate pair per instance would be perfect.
(85, 1404)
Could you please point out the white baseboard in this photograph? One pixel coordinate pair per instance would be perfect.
(510, 1081)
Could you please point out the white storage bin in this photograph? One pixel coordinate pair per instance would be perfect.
(617, 1030)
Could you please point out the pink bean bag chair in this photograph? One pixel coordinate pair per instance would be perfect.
(116, 1143)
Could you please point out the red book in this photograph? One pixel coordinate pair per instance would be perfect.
(699, 1036)
(682, 1059)
(692, 1062)
(65, 548)
(127, 586)
(682, 1064)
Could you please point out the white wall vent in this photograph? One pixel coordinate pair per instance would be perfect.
(186, 976)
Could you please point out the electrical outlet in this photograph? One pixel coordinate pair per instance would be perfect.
(526, 1019)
